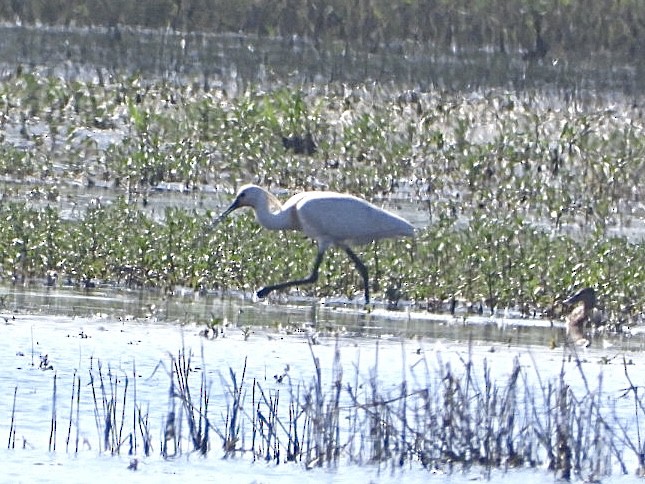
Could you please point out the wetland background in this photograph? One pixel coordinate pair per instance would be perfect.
(510, 133)
(515, 149)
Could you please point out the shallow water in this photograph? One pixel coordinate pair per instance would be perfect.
(135, 334)
(76, 345)
(292, 315)
(232, 61)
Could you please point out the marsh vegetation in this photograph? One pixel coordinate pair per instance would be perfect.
(278, 402)
(520, 167)
(518, 197)
(599, 27)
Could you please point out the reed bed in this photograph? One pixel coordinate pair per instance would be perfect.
(449, 418)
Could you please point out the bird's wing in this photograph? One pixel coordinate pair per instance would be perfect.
(344, 219)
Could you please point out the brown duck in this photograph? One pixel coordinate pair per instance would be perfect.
(584, 312)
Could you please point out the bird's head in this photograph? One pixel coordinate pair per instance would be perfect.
(587, 295)
(250, 196)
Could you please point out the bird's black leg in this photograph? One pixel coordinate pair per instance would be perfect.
(363, 271)
(311, 278)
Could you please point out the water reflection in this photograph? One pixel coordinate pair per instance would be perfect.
(310, 317)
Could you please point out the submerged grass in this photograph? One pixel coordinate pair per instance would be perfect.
(442, 416)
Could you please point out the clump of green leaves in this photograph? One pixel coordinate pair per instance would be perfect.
(526, 196)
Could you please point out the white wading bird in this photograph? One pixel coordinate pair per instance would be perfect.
(329, 218)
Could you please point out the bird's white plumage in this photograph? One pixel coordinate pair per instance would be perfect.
(330, 218)
(333, 218)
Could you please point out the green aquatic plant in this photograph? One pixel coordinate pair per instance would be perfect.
(523, 194)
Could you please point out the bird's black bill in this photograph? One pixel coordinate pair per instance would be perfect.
(223, 215)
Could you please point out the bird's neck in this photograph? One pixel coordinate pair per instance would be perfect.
(272, 216)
